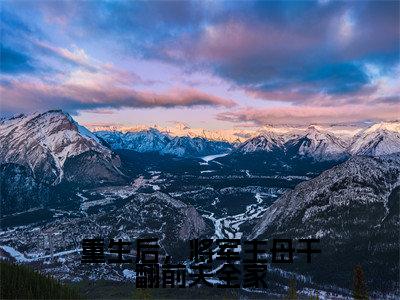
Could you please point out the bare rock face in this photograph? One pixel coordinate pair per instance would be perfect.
(354, 209)
(39, 152)
(46, 142)
(193, 224)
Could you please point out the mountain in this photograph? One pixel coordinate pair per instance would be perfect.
(237, 135)
(266, 142)
(195, 147)
(313, 143)
(124, 214)
(56, 148)
(322, 143)
(318, 145)
(379, 139)
(354, 209)
(43, 150)
(152, 140)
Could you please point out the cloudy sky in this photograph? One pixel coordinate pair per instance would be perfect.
(209, 64)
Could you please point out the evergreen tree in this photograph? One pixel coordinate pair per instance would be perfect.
(359, 287)
(292, 292)
(22, 282)
(142, 294)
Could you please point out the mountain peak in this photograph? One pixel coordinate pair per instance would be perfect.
(389, 126)
(44, 141)
(268, 141)
(379, 139)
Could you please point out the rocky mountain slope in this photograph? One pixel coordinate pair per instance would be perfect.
(152, 140)
(379, 139)
(321, 144)
(125, 214)
(354, 209)
(43, 150)
(51, 143)
(267, 142)
(318, 145)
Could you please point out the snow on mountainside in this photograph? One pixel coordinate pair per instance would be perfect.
(379, 139)
(187, 146)
(266, 142)
(332, 142)
(322, 144)
(311, 143)
(353, 208)
(360, 179)
(152, 140)
(237, 135)
(319, 145)
(49, 143)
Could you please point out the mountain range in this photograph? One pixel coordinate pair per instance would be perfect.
(315, 142)
(152, 140)
(341, 186)
(353, 209)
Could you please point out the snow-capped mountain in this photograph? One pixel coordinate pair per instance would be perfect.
(354, 209)
(314, 143)
(318, 144)
(237, 135)
(152, 140)
(266, 142)
(321, 144)
(183, 130)
(56, 148)
(379, 139)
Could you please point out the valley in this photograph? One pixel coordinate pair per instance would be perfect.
(128, 186)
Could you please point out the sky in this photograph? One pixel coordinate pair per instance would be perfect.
(208, 64)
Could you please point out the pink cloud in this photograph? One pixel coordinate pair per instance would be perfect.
(237, 40)
(70, 95)
(310, 114)
(306, 94)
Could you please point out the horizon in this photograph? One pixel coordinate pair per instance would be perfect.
(345, 131)
(210, 65)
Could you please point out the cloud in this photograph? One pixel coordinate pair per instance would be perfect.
(76, 56)
(72, 95)
(277, 54)
(310, 114)
(303, 53)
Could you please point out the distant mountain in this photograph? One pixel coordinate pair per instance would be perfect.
(238, 135)
(152, 140)
(266, 142)
(320, 144)
(187, 146)
(354, 209)
(379, 139)
(313, 143)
